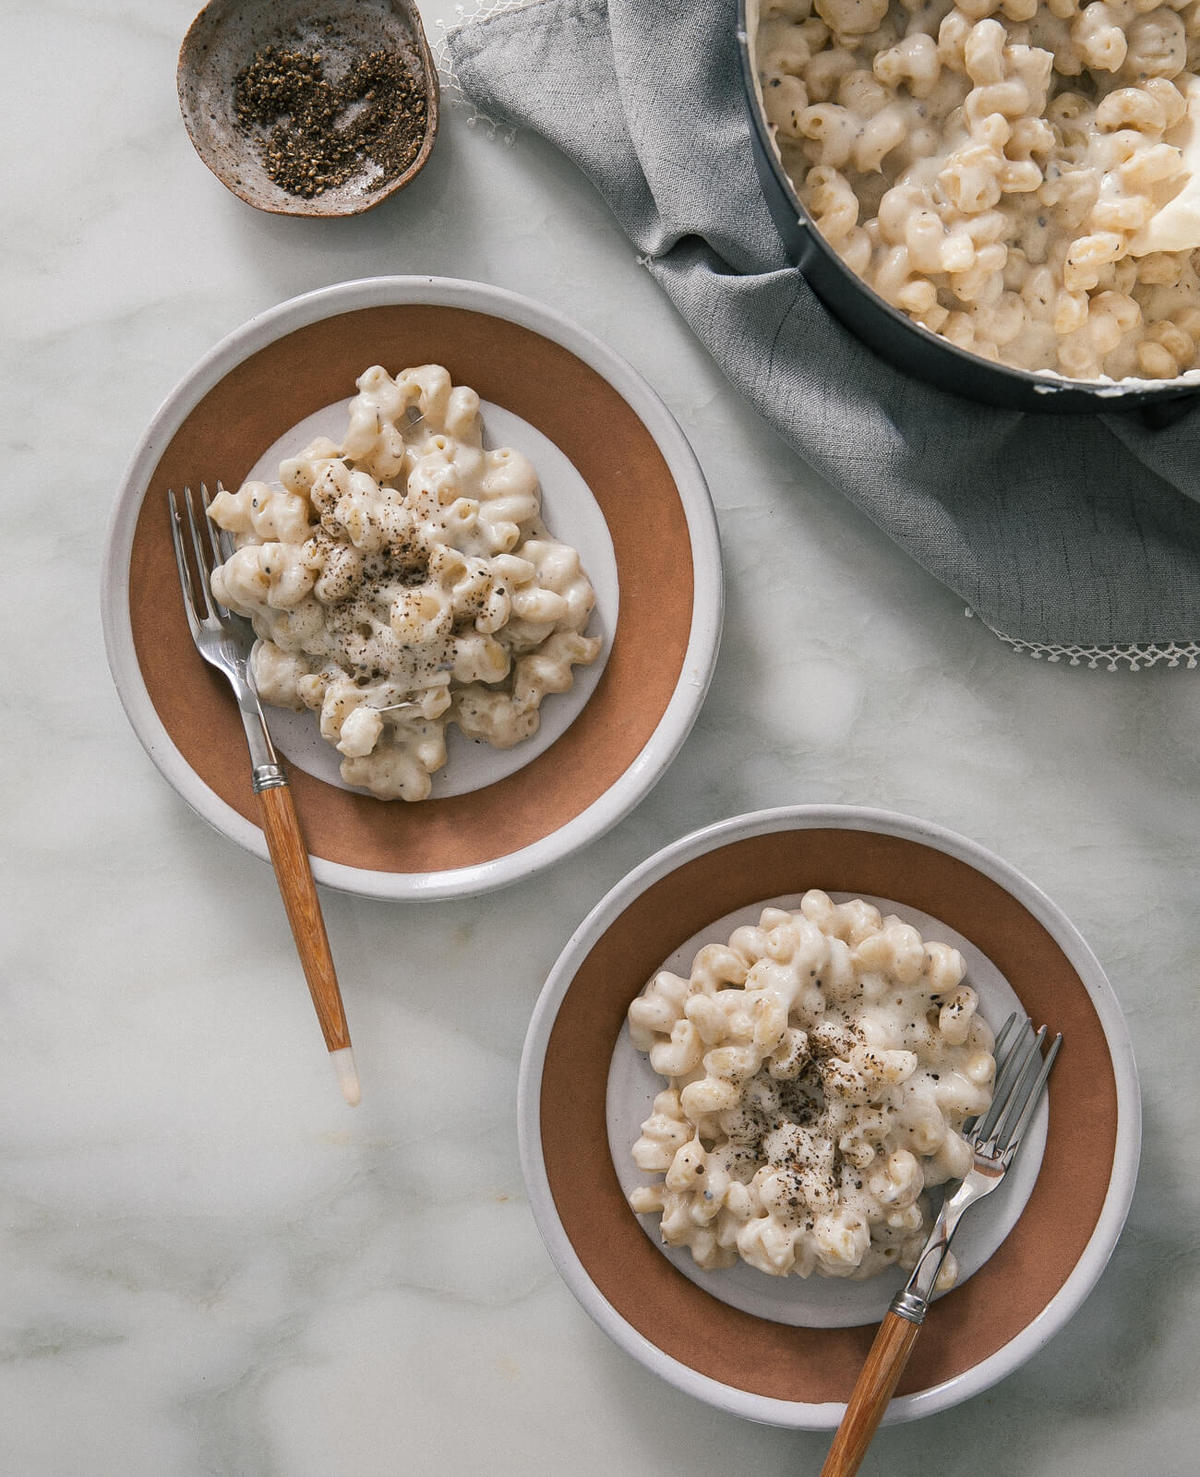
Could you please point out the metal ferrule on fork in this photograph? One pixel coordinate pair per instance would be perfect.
(910, 1305)
(913, 1301)
(994, 1139)
(266, 772)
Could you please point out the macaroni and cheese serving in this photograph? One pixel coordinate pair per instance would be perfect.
(1021, 177)
(403, 580)
(820, 1066)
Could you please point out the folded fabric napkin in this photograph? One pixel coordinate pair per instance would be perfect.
(1068, 534)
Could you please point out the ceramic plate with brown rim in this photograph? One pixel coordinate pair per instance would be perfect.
(619, 482)
(786, 1351)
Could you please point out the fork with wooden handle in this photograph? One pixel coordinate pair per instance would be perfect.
(224, 640)
(994, 1138)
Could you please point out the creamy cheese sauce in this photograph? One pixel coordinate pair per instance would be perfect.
(403, 580)
(819, 1068)
(1020, 178)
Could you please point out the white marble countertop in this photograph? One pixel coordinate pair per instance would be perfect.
(212, 1265)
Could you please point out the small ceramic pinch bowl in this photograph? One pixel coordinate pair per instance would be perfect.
(786, 1351)
(344, 106)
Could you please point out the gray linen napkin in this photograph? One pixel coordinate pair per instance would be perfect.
(1075, 535)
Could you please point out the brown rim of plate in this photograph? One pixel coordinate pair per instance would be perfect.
(545, 384)
(735, 1348)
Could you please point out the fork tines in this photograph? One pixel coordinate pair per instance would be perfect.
(1020, 1077)
(205, 559)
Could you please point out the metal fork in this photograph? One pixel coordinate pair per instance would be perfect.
(995, 1137)
(224, 640)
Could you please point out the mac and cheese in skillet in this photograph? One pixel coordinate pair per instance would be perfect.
(1016, 175)
(404, 580)
(820, 1066)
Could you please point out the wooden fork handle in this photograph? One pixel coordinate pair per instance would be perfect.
(872, 1391)
(290, 858)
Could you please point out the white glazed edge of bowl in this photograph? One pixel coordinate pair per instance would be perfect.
(707, 603)
(1065, 1303)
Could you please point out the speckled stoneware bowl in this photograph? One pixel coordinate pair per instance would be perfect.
(344, 36)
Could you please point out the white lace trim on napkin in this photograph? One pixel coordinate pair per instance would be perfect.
(1173, 653)
(452, 90)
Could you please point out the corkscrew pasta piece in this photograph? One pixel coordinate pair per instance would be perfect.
(404, 580)
(819, 1066)
(1016, 175)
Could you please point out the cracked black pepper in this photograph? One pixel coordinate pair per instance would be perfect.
(317, 129)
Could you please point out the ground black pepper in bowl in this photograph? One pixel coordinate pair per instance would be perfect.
(314, 133)
(318, 109)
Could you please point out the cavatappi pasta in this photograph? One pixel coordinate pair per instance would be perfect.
(819, 1068)
(403, 580)
(1016, 175)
